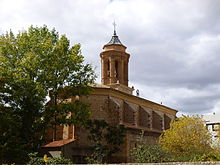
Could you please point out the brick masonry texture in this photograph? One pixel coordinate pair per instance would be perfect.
(134, 113)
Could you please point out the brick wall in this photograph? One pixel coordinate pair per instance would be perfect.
(129, 114)
(143, 117)
(157, 121)
(119, 108)
(135, 117)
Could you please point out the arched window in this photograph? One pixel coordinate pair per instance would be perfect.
(108, 68)
(116, 69)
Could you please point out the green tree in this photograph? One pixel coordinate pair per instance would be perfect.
(186, 136)
(33, 64)
(106, 139)
(11, 142)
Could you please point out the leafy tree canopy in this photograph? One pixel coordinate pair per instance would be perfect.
(186, 136)
(33, 64)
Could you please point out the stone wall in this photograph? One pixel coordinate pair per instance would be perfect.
(170, 163)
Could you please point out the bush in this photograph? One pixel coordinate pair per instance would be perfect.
(185, 158)
(207, 157)
(92, 160)
(197, 157)
(149, 153)
(34, 160)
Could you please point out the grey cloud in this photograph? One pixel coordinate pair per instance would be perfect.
(174, 45)
(198, 105)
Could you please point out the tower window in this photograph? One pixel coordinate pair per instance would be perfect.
(116, 69)
(108, 68)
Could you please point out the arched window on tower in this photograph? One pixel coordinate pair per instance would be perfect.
(125, 65)
(116, 69)
(108, 68)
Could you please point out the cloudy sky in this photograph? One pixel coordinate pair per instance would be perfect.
(174, 44)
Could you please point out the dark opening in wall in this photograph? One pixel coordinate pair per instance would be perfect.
(116, 69)
(108, 68)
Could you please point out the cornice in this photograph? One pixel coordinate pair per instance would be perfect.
(134, 99)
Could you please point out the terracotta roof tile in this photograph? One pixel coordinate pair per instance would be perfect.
(58, 143)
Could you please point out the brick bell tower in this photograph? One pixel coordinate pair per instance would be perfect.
(114, 64)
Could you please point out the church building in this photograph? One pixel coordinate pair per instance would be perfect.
(114, 102)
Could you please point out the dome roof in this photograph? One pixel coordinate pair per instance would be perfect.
(114, 40)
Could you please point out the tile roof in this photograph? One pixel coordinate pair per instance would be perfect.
(58, 143)
(114, 40)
